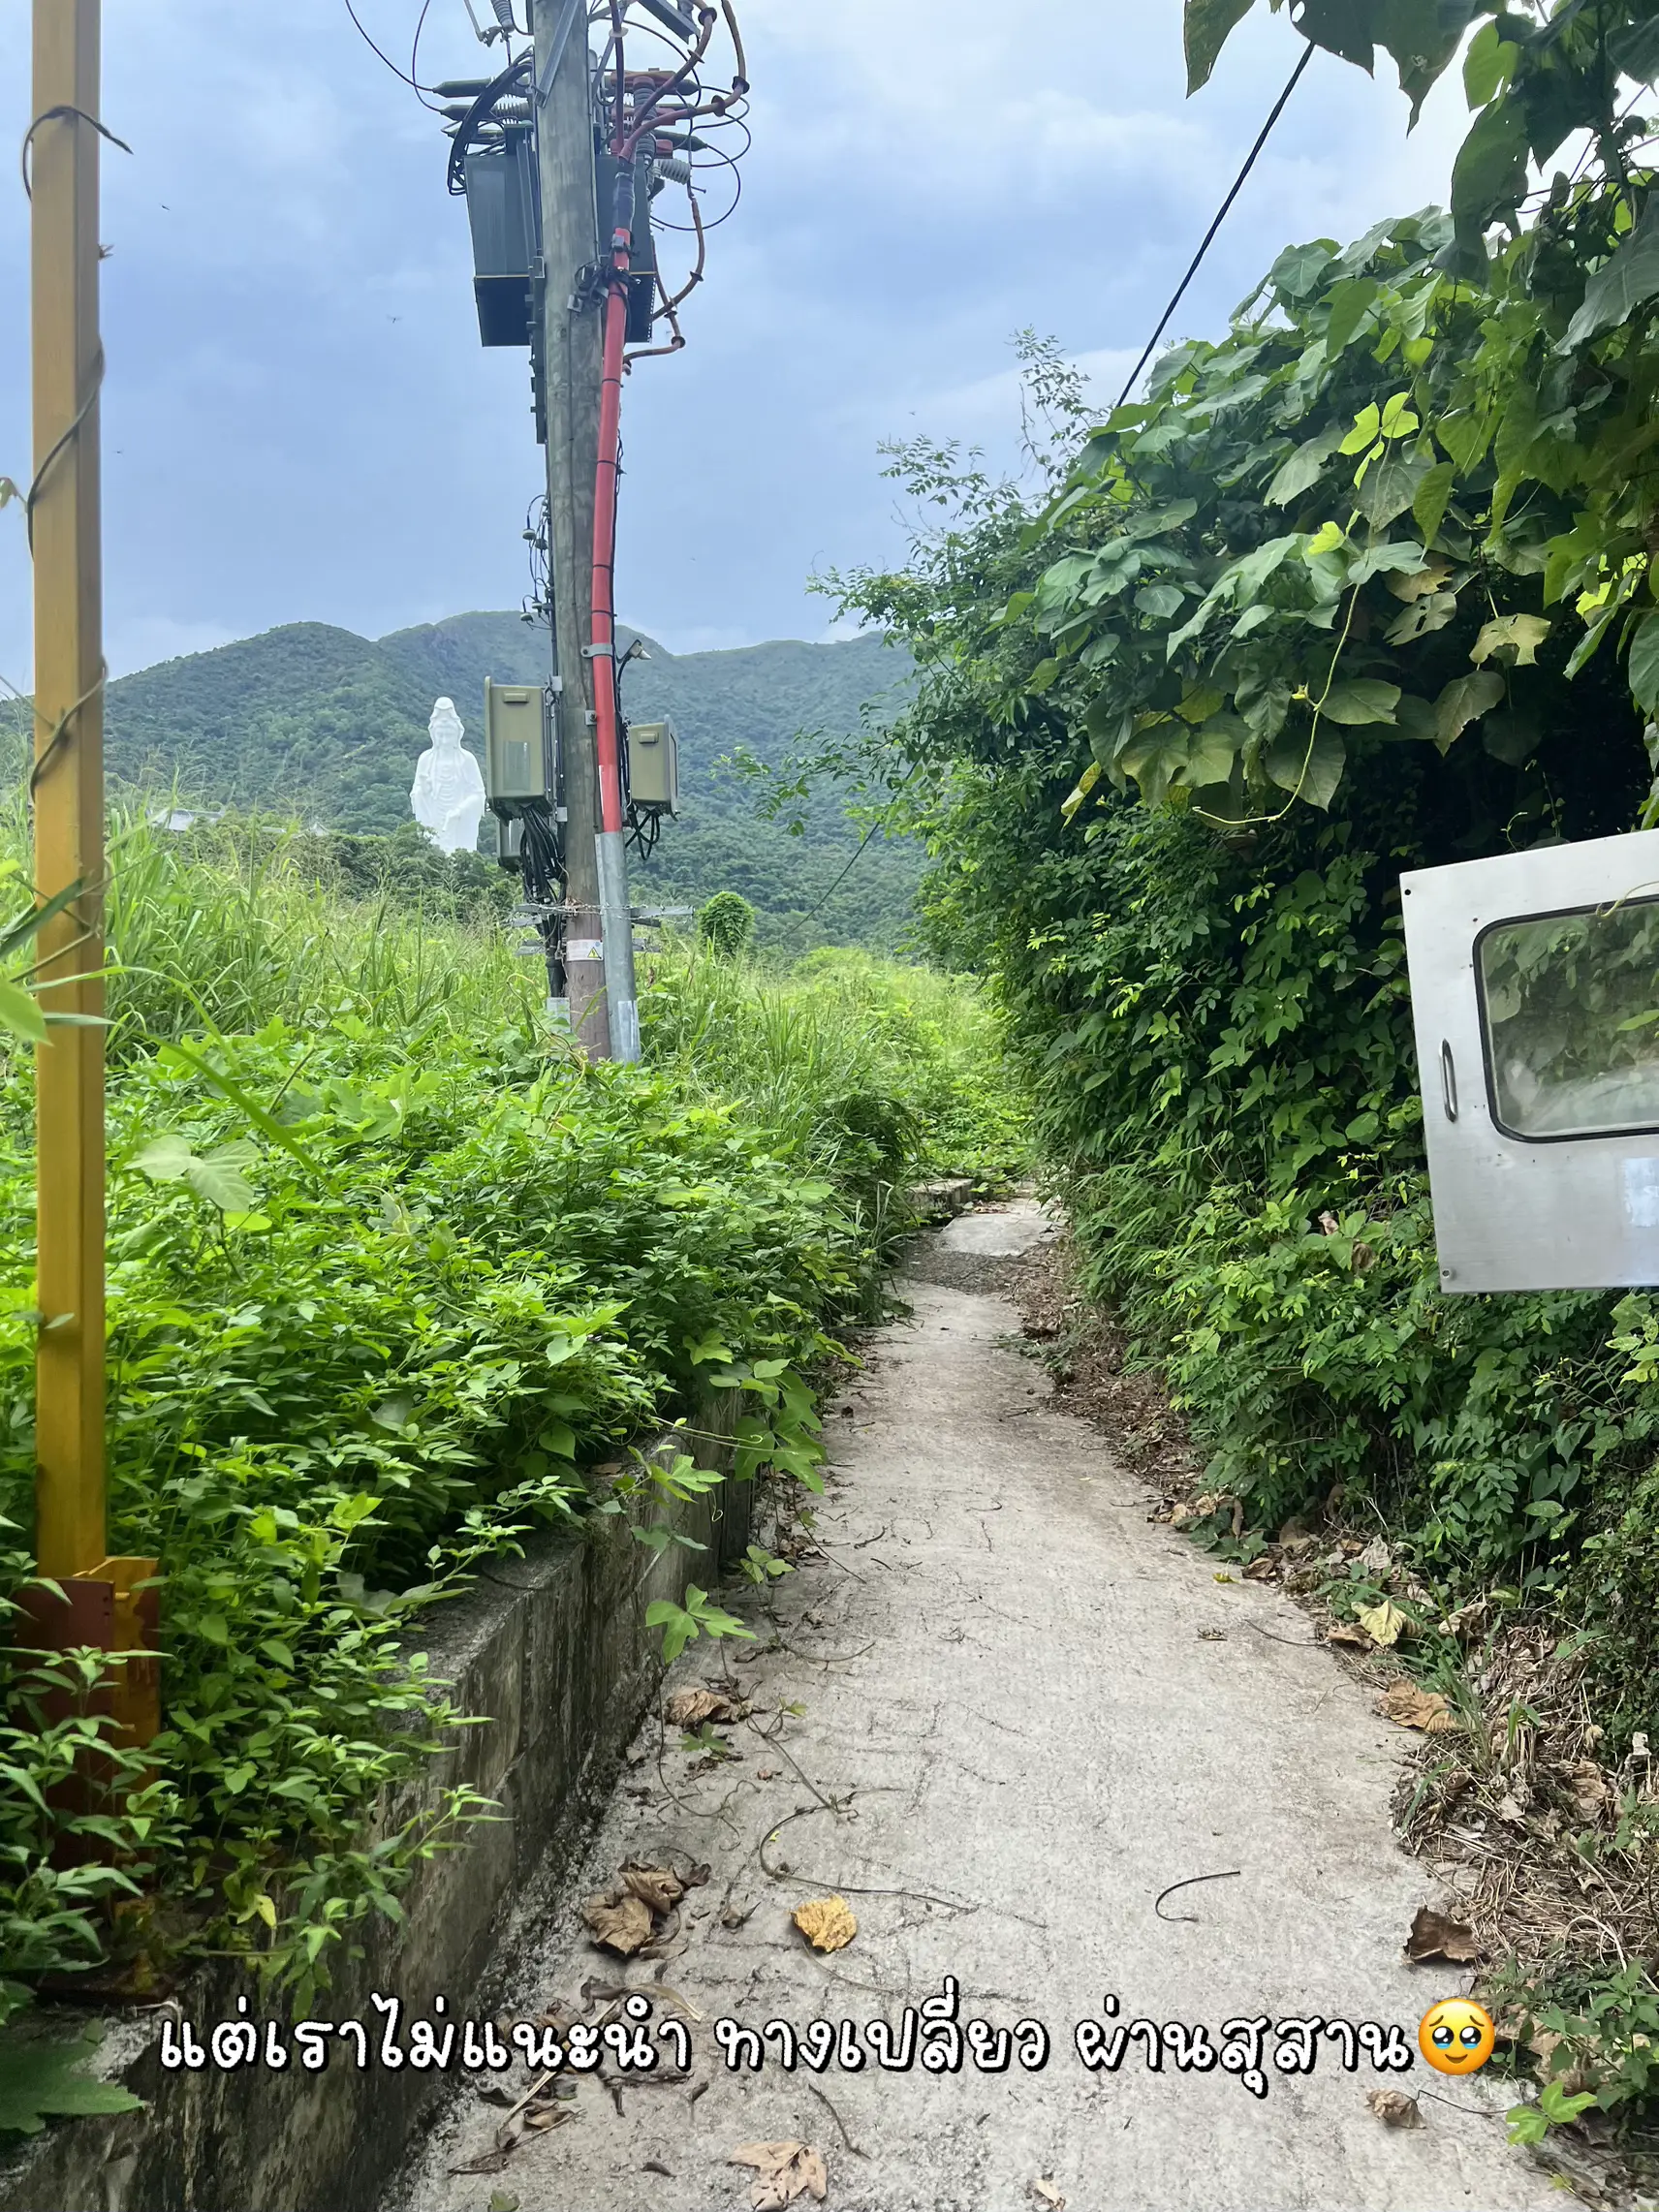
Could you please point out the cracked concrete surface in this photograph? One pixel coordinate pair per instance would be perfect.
(1024, 1712)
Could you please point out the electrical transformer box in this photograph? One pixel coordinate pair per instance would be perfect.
(653, 767)
(514, 746)
(502, 207)
(1535, 995)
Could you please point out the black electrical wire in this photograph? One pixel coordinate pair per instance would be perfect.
(1221, 215)
(402, 76)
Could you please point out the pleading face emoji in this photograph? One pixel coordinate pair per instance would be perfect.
(1456, 2036)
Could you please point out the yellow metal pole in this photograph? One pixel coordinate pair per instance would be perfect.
(67, 786)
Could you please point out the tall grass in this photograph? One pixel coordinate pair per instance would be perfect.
(232, 931)
(854, 1060)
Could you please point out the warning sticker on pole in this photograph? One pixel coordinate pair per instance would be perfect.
(584, 948)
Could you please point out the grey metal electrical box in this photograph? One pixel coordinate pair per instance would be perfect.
(515, 752)
(502, 207)
(1535, 994)
(653, 767)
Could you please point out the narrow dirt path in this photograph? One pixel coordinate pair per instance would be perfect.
(1009, 1713)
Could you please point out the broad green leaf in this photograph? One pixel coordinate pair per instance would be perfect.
(1465, 435)
(164, 1159)
(1519, 634)
(1391, 486)
(1464, 699)
(1487, 65)
(1155, 757)
(44, 2080)
(1215, 748)
(1432, 611)
(1488, 178)
(1302, 471)
(1309, 766)
(1298, 270)
(1204, 27)
(1623, 285)
(1363, 433)
(1394, 558)
(1634, 51)
(1159, 601)
(219, 1177)
(1431, 498)
(20, 1015)
(1351, 301)
(1362, 700)
(1643, 671)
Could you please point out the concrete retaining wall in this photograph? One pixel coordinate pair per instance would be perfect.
(554, 1650)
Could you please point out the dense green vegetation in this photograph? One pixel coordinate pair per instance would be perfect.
(313, 725)
(1365, 584)
(391, 1270)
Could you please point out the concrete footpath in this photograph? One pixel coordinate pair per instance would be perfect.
(1000, 1715)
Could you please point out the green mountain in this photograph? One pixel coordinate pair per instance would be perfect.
(321, 725)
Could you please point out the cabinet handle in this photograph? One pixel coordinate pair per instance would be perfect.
(1448, 1080)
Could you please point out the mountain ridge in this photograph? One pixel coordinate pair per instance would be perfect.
(312, 722)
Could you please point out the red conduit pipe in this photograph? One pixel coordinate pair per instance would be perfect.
(604, 492)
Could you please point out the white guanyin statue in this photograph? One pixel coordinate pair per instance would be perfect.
(447, 798)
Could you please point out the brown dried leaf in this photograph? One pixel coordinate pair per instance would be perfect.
(1590, 1788)
(783, 2172)
(1410, 1708)
(827, 1922)
(621, 1923)
(690, 1709)
(657, 1886)
(1394, 2108)
(1435, 1935)
(1351, 1637)
(1262, 1569)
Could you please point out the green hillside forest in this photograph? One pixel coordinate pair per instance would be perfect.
(318, 724)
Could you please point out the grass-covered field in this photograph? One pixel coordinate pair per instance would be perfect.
(391, 1270)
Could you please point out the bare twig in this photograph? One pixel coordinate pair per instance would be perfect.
(1231, 1874)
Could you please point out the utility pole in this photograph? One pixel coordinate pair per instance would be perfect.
(570, 340)
(68, 787)
(102, 1603)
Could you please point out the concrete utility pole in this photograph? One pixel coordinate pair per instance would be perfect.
(570, 340)
(103, 1604)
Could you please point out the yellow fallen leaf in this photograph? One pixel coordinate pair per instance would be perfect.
(1384, 1624)
(827, 1922)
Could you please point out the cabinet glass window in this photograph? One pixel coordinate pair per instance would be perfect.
(1570, 1020)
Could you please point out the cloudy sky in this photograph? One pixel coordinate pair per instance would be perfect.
(302, 426)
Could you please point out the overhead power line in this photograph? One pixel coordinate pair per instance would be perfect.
(1221, 215)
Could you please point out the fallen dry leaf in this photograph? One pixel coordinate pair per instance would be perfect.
(690, 1709)
(620, 1922)
(1346, 1633)
(783, 2171)
(1384, 1624)
(1262, 1569)
(1410, 1708)
(1435, 1935)
(1042, 2189)
(655, 1886)
(827, 1922)
(1590, 1791)
(1394, 2108)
